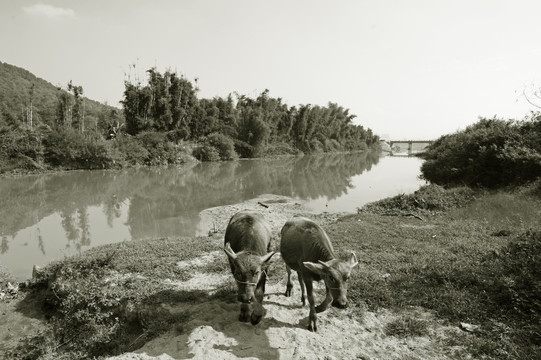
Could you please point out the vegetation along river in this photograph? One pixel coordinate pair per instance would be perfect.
(47, 217)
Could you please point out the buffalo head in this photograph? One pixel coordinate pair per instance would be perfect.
(336, 273)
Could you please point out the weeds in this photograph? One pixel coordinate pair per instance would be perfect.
(428, 199)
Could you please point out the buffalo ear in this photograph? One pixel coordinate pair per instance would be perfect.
(353, 260)
(267, 257)
(229, 251)
(315, 268)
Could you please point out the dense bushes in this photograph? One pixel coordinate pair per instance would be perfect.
(224, 145)
(70, 149)
(216, 147)
(67, 148)
(281, 148)
(206, 153)
(491, 153)
(20, 150)
(160, 150)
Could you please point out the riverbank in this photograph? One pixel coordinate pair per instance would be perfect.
(434, 282)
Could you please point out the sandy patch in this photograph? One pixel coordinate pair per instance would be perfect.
(275, 208)
(215, 333)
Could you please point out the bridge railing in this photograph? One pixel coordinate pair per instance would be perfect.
(410, 143)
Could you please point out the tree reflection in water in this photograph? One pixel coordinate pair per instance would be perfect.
(168, 203)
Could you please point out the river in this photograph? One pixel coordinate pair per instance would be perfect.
(47, 217)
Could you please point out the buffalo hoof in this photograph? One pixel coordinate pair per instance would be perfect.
(320, 308)
(255, 319)
(338, 305)
(312, 328)
(257, 315)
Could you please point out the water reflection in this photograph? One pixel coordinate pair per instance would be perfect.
(62, 214)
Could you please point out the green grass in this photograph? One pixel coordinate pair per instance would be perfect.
(406, 326)
(477, 261)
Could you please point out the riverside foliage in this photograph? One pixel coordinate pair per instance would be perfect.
(162, 122)
(491, 153)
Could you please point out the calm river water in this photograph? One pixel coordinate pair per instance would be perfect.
(47, 217)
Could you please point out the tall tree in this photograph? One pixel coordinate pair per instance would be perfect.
(168, 102)
(31, 106)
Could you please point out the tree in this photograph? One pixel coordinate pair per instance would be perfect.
(167, 103)
(253, 130)
(30, 110)
(70, 110)
(64, 109)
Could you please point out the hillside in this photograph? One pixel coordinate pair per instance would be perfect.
(15, 88)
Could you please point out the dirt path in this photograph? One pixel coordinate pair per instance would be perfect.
(215, 333)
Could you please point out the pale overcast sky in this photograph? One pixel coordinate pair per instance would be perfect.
(408, 69)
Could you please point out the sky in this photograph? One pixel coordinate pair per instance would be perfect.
(408, 69)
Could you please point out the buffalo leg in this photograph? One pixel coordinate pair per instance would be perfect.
(245, 312)
(303, 290)
(328, 299)
(257, 314)
(312, 317)
(289, 285)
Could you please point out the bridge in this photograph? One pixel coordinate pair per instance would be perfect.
(410, 143)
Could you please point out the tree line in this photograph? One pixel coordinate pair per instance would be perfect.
(163, 121)
(254, 126)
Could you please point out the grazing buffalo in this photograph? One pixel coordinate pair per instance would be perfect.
(247, 245)
(306, 248)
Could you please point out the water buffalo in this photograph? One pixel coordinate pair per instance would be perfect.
(247, 245)
(306, 248)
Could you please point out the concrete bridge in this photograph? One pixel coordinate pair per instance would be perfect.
(410, 143)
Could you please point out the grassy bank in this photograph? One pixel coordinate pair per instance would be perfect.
(470, 257)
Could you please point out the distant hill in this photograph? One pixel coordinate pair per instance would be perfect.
(15, 88)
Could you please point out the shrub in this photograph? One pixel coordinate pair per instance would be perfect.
(280, 149)
(244, 149)
(491, 153)
(206, 153)
(67, 148)
(20, 149)
(131, 149)
(223, 144)
(160, 150)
